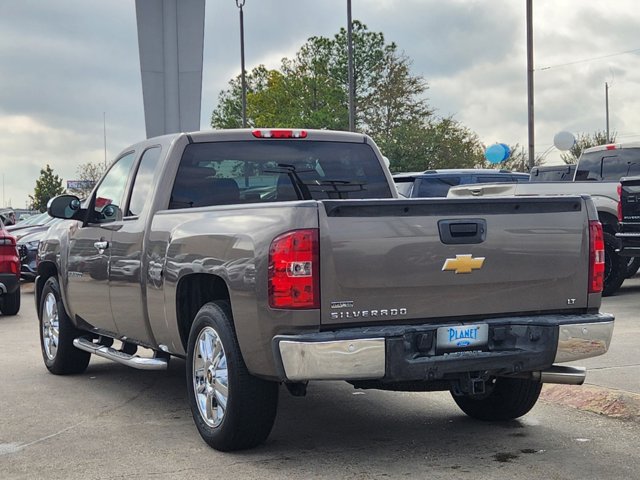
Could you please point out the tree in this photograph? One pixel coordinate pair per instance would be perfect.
(88, 174)
(586, 140)
(229, 111)
(311, 89)
(48, 185)
(442, 143)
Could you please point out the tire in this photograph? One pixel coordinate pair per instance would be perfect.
(507, 398)
(57, 334)
(232, 409)
(633, 264)
(10, 303)
(615, 266)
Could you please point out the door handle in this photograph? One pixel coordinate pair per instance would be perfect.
(101, 246)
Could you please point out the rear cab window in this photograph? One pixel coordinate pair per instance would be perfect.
(235, 172)
(436, 186)
(608, 165)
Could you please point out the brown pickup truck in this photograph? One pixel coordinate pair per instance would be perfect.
(277, 257)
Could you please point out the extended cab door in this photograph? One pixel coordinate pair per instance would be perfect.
(126, 277)
(89, 249)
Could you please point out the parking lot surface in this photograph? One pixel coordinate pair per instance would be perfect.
(115, 422)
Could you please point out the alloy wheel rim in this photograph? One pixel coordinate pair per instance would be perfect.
(210, 377)
(50, 326)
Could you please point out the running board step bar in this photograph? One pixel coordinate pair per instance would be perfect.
(134, 361)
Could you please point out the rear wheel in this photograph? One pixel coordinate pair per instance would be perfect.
(10, 303)
(57, 334)
(232, 409)
(615, 266)
(506, 399)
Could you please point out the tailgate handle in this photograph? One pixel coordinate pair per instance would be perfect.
(462, 232)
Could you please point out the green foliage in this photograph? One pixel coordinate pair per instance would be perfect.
(587, 140)
(310, 90)
(442, 143)
(48, 185)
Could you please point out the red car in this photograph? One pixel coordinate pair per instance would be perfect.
(9, 273)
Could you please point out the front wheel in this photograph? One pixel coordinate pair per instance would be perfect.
(232, 409)
(506, 399)
(57, 334)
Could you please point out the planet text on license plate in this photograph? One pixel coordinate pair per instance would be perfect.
(462, 336)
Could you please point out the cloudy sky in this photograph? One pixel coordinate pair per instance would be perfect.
(66, 63)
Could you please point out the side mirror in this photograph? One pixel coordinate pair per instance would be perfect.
(64, 206)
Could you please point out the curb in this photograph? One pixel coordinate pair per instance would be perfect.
(591, 398)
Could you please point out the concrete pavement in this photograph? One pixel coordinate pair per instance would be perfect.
(612, 386)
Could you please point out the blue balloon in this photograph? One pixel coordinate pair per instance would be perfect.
(496, 153)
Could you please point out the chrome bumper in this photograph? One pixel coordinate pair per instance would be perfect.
(335, 360)
(583, 340)
(354, 358)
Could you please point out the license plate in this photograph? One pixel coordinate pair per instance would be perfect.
(462, 336)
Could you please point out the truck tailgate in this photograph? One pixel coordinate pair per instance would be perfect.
(390, 261)
(630, 202)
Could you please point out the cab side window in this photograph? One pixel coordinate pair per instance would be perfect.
(110, 194)
(141, 190)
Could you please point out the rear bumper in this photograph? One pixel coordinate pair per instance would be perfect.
(629, 244)
(410, 352)
(9, 283)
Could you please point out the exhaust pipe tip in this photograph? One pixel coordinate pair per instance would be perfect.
(562, 375)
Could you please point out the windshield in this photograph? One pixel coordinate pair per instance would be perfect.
(222, 173)
(609, 165)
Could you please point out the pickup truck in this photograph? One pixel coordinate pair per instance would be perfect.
(278, 257)
(629, 216)
(597, 174)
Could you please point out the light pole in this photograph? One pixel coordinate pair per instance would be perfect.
(606, 106)
(104, 133)
(240, 4)
(532, 152)
(352, 87)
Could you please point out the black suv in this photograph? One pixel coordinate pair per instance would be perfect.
(436, 183)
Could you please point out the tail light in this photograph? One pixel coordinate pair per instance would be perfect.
(9, 261)
(596, 257)
(619, 202)
(294, 270)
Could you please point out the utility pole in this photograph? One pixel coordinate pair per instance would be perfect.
(240, 4)
(606, 106)
(532, 152)
(104, 133)
(352, 87)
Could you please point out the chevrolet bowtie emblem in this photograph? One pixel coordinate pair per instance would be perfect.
(462, 264)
